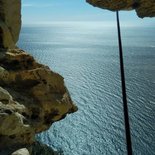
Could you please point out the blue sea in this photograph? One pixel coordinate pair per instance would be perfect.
(86, 55)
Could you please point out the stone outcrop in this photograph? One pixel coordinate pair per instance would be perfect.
(144, 8)
(32, 97)
(10, 22)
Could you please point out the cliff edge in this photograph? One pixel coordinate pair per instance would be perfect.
(32, 97)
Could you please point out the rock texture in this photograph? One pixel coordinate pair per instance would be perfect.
(10, 22)
(32, 97)
(22, 151)
(144, 8)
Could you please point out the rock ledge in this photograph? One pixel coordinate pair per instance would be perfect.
(32, 97)
(144, 8)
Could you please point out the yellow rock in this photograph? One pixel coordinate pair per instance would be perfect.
(32, 97)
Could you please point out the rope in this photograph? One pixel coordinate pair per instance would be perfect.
(124, 96)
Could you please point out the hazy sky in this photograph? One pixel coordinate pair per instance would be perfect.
(46, 11)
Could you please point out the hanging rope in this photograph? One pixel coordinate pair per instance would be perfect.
(126, 116)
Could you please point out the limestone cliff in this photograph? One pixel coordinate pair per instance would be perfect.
(32, 97)
(144, 8)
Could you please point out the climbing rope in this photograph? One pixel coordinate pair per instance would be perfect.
(124, 96)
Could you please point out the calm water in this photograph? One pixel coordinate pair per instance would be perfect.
(86, 54)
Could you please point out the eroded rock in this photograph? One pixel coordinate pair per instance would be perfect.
(144, 8)
(32, 97)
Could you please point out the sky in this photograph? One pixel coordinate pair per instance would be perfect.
(48, 11)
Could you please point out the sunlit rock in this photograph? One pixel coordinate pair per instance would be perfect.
(32, 98)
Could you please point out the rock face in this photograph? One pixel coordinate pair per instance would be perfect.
(32, 97)
(144, 8)
(10, 22)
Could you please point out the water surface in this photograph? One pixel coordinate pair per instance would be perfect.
(86, 54)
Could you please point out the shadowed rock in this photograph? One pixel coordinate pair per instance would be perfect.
(10, 22)
(144, 8)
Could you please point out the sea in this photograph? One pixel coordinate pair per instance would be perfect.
(86, 54)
